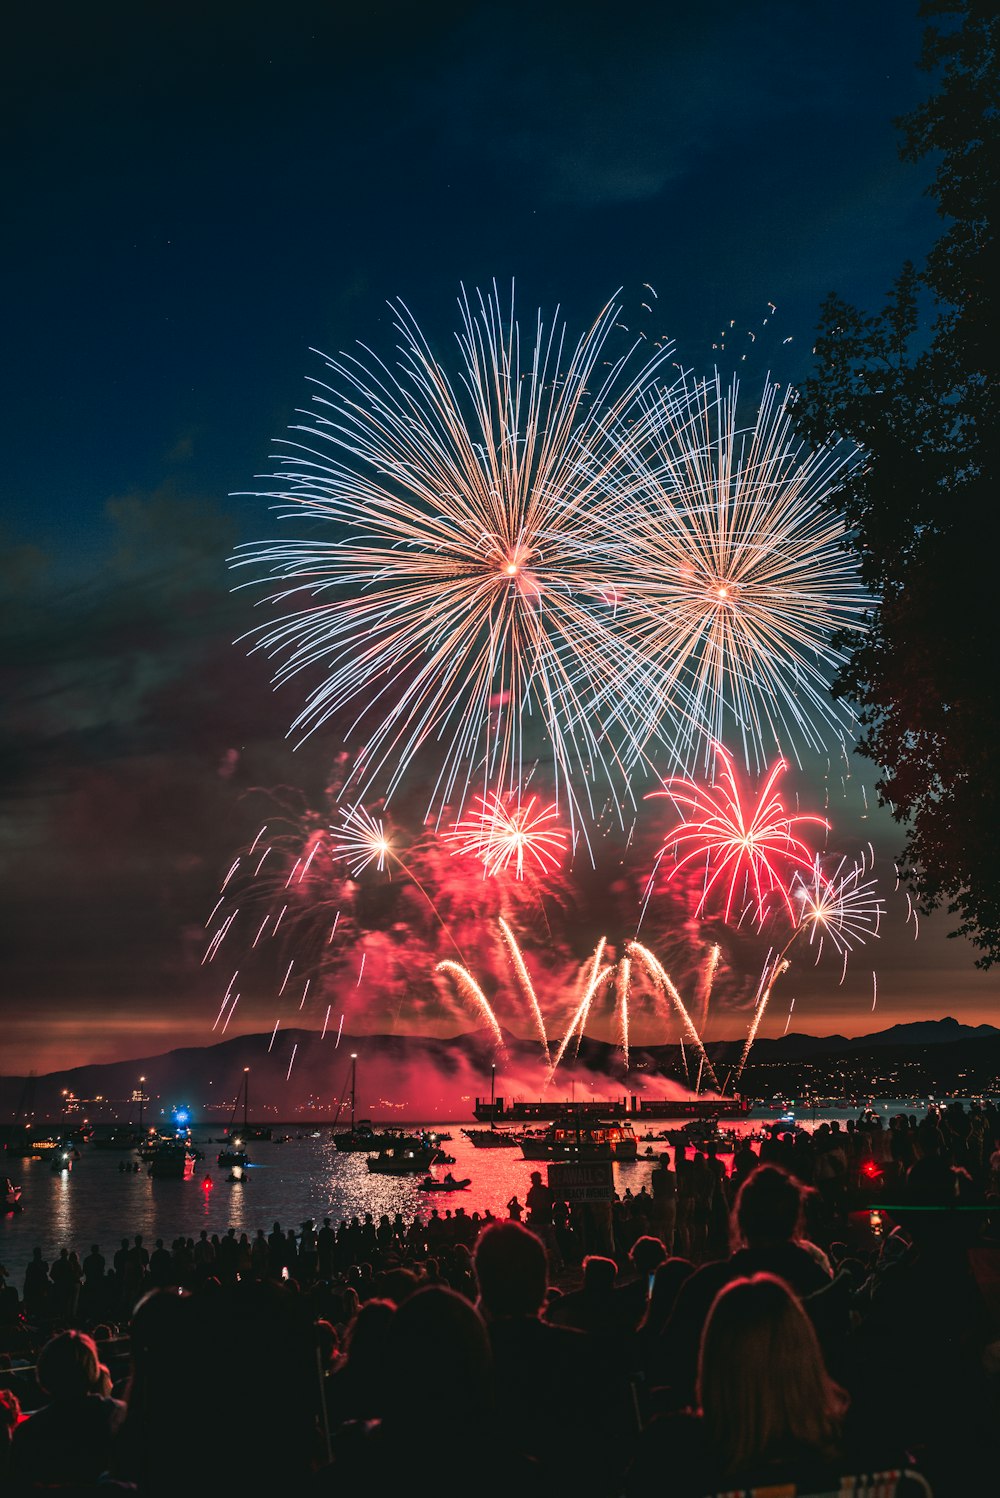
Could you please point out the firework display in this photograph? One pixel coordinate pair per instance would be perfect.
(523, 580)
(737, 578)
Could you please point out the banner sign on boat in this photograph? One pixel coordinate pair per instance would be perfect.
(583, 1183)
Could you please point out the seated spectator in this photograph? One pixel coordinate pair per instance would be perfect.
(579, 1430)
(766, 1224)
(69, 1440)
(592, 1308)
(766, 1408)
(437, 1349)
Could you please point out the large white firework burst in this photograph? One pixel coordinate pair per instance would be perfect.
(738, 579)
(455, 589)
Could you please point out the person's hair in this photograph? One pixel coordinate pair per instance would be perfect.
(68, 1365)
(768, 1206)
(512, 1270)
(647, 1253)
(763, 1387)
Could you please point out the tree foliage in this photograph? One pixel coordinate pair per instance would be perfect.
(915, 387)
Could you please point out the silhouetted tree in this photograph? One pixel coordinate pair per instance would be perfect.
(915, 387)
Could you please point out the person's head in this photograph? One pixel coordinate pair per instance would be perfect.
(763, 1387)
(512, 1271)
(68, 1366)
(599, 1274)
(536, 1177)
(667, 1281)
(768, 1207)
(647, 1254)
(438, 1341)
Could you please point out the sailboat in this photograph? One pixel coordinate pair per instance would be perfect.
(233, 1152)
(361, 1137)
(492, 1138)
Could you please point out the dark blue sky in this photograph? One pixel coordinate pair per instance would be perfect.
(195, 196)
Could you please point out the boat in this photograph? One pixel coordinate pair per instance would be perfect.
(11, 1196)
(362, 1138)
(232, 1152)
(401, 1160)
(492, 1139)
(448, 1183)
(576, 1138)
(172, 1160)
(230, 1158)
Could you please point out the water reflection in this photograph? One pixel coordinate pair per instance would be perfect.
(287, 1182)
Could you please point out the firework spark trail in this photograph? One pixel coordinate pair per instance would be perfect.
(292, 1062)
(340, 1031)
(621, 993)
(788, 1018)
(737, 838)
(273, 1034)
(326, 1021)
(711, 968)
(874, 989)
(469, 989)
(225, 997)
(361, 969)
(737, 575)
(528, 987)
(781, 966)
(579, 1019)
(656, 968)
(499, 834)
(464, 591)
(232, 1011)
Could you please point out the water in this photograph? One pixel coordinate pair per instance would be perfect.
(287, 1182)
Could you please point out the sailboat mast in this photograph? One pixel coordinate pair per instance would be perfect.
(493, 1087)
(354, 1076)
(246, 1093)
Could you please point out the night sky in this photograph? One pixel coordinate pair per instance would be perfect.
(196, 197)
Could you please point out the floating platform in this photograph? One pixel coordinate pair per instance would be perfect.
(499, 1111)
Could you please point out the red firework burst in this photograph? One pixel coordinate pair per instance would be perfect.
(746, 844)
(502, 836)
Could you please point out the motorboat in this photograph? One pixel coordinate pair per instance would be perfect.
(492, 1139)
(230, 1156)
(402, 1160)
(172, 1160)
(11, 1196)
(447, 1183)
(577, 1138)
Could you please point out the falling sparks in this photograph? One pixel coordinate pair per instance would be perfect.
(292, 1061)
(273, 1034)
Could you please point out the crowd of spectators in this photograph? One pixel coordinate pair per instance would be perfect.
(742, 1322)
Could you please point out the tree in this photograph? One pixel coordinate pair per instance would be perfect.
(915, 387)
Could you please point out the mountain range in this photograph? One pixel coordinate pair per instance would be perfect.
(426, 1077)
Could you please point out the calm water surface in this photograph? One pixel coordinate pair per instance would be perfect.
(287, 1182)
